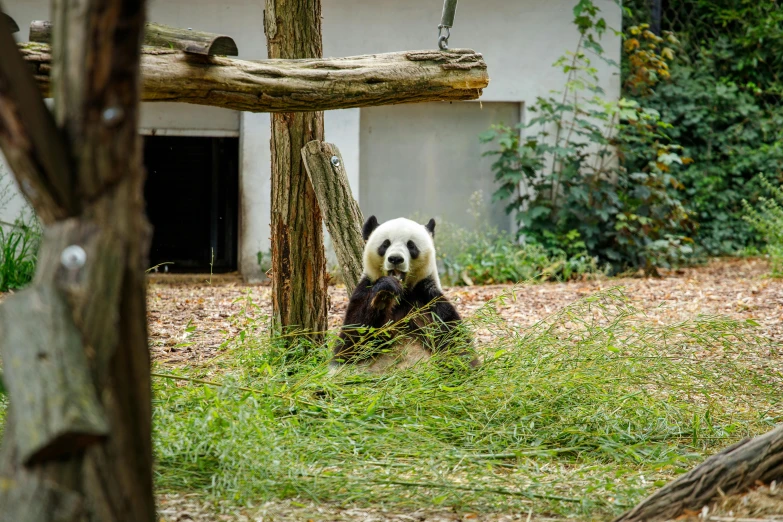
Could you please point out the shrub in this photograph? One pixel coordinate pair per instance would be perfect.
(731, 137)
(768, 221)
(574, 173)
(721, 99)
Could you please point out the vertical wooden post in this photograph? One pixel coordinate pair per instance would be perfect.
(299, 298)
(91, 457)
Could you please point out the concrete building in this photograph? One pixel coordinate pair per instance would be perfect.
(208, 168)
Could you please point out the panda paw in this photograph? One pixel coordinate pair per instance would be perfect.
(386, 290)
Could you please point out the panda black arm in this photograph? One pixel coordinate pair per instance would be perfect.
(450, 331)
(426, 294)
(371, 306)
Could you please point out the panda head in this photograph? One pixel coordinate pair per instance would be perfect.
(400, 248)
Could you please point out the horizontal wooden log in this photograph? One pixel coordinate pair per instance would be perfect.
(341, 212)
(299, 85)
(736, 469)
(8, 23)
(56, 409)
(159, 35)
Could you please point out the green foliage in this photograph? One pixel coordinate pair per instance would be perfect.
(731, 137)
(571, 174)
(19, 244)
(722, 101)
(744, 39)
(768, 221)
(484, 255)
(581, 415)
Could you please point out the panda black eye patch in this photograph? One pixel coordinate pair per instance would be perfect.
(413, 249)
(383, 247)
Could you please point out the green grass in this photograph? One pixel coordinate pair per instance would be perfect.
(580, 415)
(19, 242)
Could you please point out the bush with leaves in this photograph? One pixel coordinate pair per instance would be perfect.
(767, 220)
(721, 98)
(731, 138)
(19, 241)
(484, 255)
(570, 178)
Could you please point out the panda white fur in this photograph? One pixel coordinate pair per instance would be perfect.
(400, 294)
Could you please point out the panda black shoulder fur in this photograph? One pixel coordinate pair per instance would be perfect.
(400, 285)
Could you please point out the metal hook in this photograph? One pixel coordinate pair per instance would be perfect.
(446, 22)
(443, 40)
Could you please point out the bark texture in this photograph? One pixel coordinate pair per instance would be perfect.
(734, 470)
(341, 212)
(31, 142)
(299, 298)
(81, 386)
(299, 84)
(159, 35)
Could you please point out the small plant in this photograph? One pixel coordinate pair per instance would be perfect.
(19, 243)
(768, 221)
(264, 261)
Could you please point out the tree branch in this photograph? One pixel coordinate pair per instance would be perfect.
(341, 213)
(32, 144)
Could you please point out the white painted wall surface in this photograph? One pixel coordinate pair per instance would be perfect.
(340, 127)
(519, 41)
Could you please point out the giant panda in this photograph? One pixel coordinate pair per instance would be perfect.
(399, 293)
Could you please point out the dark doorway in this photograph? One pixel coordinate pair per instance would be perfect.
(192, 195)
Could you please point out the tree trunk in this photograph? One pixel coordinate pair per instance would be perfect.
(299, 85)
(85, 454)
(734, 470)
(299, 298)
(342, 214)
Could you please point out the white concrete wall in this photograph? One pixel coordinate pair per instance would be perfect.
(519, 41)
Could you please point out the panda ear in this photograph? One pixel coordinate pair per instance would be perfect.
(430, 226)
(369, 225)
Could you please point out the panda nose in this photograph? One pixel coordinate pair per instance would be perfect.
(395, 260)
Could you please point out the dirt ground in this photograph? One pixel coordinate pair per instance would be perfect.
(764, 504)
(192, 311)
